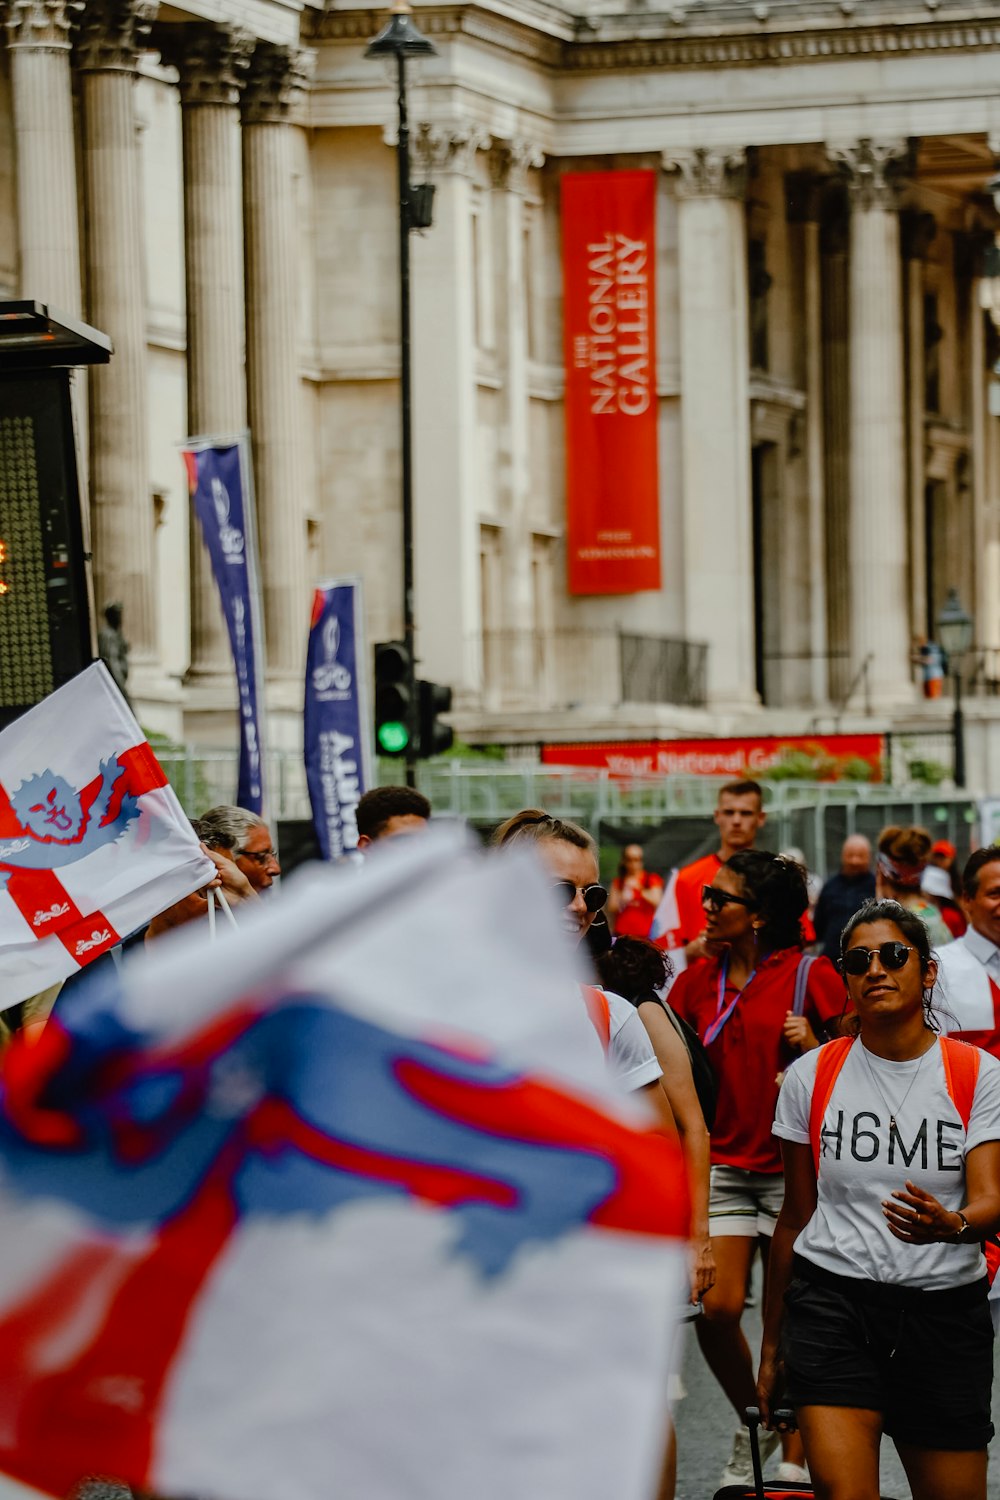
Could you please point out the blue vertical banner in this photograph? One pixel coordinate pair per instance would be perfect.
(219, 480)
(338, 724)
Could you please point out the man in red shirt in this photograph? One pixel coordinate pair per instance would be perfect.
(679, 924)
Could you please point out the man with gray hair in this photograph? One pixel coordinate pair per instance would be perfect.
(246, 838)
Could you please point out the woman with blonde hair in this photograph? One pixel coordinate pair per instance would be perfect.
(903, 855)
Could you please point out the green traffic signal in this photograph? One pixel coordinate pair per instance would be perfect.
(393, 737)
(394, 705)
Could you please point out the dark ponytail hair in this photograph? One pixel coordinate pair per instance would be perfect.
(777, 887)
(635, 969)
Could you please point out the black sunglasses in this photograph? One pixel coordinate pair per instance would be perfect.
(594, 896)
(712, 896)
(892, 956)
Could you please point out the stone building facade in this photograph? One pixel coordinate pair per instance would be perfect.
(212, 184)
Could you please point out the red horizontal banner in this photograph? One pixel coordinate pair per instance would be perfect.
(827, 757)
(612, 482)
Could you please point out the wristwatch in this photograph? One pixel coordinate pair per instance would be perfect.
(966, 1234)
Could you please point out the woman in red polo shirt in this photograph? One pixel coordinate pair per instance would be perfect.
(756, 1003)
(635, 894)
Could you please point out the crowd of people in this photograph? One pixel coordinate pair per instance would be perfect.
(855, 1144)
(828, 1061)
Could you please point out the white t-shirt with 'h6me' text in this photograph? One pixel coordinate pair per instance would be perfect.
(863, 1161)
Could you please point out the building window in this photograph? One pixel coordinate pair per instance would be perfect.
(528, 271)
(482, 274)
(759, 286)
(933, 334)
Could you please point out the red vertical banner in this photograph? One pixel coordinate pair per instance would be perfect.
(612, 479)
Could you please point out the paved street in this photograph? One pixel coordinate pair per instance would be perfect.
(705, 1431)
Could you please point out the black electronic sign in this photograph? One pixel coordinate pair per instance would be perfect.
(45, 631)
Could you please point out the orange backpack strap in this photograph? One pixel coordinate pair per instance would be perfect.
(599, 1011)
(832, 1057)
(961, 1073)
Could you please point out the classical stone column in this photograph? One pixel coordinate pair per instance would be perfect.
(877, 539)
(212, 62)
(918, 231)
(715, 417)
(111, 35)
(38, 37)
(806, 200)
(446, 515)
(274, 91)
(510, 164)
(836, 434)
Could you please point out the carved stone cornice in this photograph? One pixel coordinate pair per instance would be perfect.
(41, 24)
(743, 48)
(110, 35)
(872, 169)
(510, 163)
(276, 84)
(703, 37)
(708, 172)
(449, 148)
(212, 61)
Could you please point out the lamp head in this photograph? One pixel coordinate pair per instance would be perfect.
(400, 37)
(954, 626)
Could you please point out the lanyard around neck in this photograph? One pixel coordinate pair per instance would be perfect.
(722, 1016)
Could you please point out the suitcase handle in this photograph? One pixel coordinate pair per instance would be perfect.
(753, 1423)
(783, 1420)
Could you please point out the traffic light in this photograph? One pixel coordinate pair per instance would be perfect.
(393, 700)
(434, 737)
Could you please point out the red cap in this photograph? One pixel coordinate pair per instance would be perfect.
(943, 847)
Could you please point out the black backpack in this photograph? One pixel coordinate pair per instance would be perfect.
(706, 1085)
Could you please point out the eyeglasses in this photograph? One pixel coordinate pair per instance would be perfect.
(259, 856)
(717, 899)
(892, 956)
(594, 896)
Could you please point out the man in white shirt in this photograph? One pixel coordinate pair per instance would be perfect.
(967, 993)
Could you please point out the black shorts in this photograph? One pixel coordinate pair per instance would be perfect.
(923, 1359)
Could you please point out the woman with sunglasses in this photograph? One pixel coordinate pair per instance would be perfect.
(876, 1317)
(570, 855)
(755, 1003)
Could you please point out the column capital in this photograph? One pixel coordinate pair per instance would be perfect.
(212, 61)
(511, 161)
(450, 148)
(873, 169)
(111, 34)
(41, 23)
(708, 172)
(276, 84)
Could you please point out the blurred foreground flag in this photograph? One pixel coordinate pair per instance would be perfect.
(93, 842)
(341, 1205)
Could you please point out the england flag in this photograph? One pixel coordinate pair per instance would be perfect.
(343, 1204)
(93, 842)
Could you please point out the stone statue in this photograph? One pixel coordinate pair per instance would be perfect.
(112, 648)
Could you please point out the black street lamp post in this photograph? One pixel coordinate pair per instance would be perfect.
(955, 638)
(400, 39)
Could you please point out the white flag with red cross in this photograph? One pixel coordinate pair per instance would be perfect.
(93, 842)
